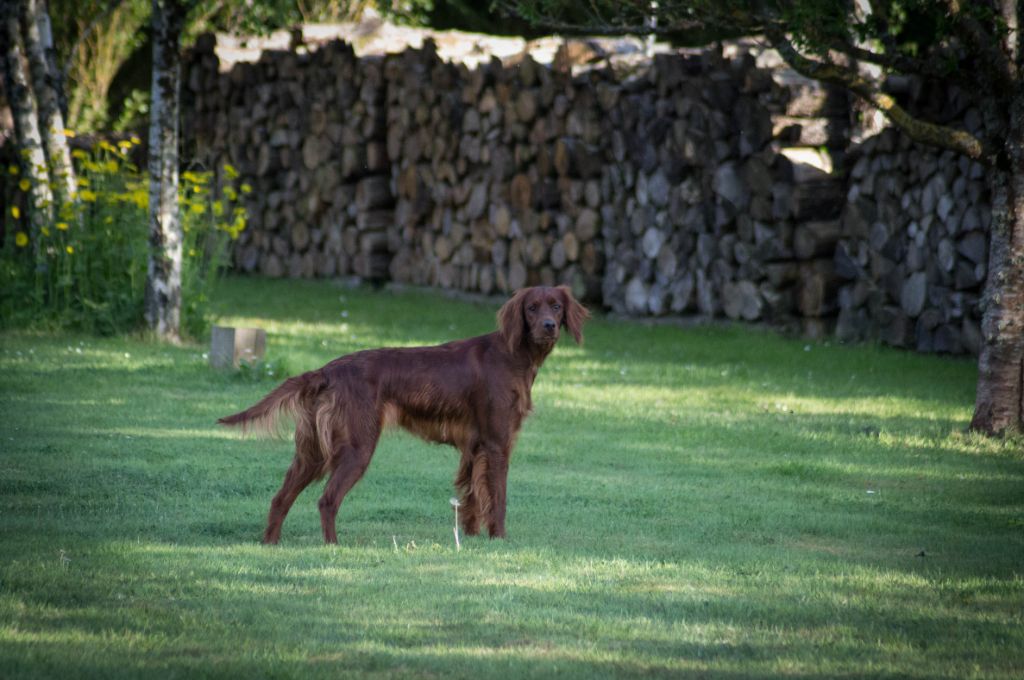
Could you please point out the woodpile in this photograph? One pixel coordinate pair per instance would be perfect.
(307, 132)
(713, 182)
(496, 171)
(707, 212)
(914, 247)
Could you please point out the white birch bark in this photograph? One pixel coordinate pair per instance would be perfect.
(163, 280)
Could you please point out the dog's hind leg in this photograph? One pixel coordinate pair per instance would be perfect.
(295, 480)
(349, 462)
(306, 467)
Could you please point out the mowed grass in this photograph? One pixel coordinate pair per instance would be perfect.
(714, 501)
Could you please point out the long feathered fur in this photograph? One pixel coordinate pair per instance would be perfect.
(301, 400)
(289, 399)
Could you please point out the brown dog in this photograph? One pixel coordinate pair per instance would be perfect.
(472, 394)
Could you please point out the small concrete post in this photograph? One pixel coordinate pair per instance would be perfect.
(231, 346)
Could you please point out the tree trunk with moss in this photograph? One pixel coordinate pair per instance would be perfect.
(26, 117)
(999, 406)
(163, 280)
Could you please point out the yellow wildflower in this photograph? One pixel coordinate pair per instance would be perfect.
(13, 169)
(82, 181)
(79, 154)
(46, 232)
(191, 252)
(198, 208)
(110, 166)
(218, 208)
(124, 144)
(15, 211)
(246, 188)
(69, 133)
(21, 239)
(63, 226)
(231, 194)
(195, 177)
(87, 196)
(70, 250)
(108, 220)
(230, 171)
(140, 197)
(107, 146)
(135, 140)
(24, 184)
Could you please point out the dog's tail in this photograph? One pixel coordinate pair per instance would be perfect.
(291, 398)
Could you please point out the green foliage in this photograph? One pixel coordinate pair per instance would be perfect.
(909, 27)
(242, 17)
(412, 12)
(87, 270)
(707, 502)
(94, 38)
(134, 112)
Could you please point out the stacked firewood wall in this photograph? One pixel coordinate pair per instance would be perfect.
(914, 247)
(496, 171)
(707, 214)
(715, 182)
(307, 133)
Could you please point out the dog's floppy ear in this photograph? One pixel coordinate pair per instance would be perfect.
(510, 320)
(575, 314)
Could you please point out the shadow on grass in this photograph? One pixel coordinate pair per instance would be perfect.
(366, 609)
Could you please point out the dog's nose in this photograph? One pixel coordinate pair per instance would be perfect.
(550, 325)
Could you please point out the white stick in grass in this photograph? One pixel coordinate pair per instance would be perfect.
(455, 504)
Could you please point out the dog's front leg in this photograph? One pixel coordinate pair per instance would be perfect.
(469, 508)
(497, 479)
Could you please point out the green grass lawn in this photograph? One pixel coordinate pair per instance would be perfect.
(713, 501)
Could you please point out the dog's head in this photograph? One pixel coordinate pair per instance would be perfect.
(536, 315)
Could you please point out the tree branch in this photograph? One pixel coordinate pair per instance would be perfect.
(898, 62)
(920, 131)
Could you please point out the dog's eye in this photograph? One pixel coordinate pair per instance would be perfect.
(556, 306)
(532, 308)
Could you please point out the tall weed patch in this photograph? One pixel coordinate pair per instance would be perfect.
(86, 268)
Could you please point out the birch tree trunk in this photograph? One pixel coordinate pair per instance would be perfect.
(44, 84)
(50, 52)
(999, 406)
(26, 117)
(163, 278)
